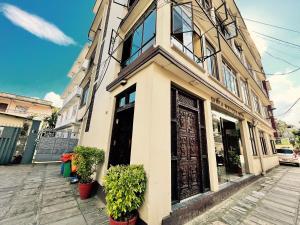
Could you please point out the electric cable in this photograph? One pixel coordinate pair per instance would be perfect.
(291, 107)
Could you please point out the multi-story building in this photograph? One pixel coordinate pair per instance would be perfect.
(67, 119)
(15, 109)
(179, 87)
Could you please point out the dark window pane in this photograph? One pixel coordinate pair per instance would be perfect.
(149, 27)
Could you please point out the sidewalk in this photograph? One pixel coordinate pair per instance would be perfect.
(273, 199)
(39, 195)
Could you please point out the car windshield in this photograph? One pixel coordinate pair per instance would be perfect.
(285, 151)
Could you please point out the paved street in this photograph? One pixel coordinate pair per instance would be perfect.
(39, 195)
(273, 199)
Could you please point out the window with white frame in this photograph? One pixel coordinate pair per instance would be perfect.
(238, 50)
(256, 104)
(230, 80)
(211, 61)
(85, 94)
(245, 92)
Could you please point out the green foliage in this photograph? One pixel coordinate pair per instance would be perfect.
(234, 158)
(86, 160)
(50, 121)
(125, 187)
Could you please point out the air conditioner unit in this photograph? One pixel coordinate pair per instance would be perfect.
(85, 65)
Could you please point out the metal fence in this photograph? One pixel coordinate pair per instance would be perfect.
(51, 144)
(8, 141)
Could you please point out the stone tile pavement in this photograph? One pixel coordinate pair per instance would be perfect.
(273, 199)
(38, 195)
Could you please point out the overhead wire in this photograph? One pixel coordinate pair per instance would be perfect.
(290, 108)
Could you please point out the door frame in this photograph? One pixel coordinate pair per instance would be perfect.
(174, 143)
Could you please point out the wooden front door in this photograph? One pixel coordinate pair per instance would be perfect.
(189, 157)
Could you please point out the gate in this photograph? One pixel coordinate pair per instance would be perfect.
(51, 144)
(8, 141)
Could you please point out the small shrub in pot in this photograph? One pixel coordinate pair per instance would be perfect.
(86, 160)
(125, 187)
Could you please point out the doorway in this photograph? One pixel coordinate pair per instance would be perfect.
(227, 146)
(189, 154)
(120, 149)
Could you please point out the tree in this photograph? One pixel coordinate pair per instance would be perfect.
(50, 121)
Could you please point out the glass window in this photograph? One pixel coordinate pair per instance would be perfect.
(252, 139)
(285, 151)
(211, 61)
(3, 107)
(140, 39)
(182, 27)
(263, 143)
(273, 146)
(85, 94)
(132, 97)
(230, 79)
(256, 105)
(122, 102)
(245, 92)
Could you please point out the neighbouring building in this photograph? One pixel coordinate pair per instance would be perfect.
(179, 87)
(67, 122)
(16, 109)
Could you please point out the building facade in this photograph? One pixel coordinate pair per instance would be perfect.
(179, 87)
(15, 109)
(67, 122)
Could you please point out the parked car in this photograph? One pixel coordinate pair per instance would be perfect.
(288, 156)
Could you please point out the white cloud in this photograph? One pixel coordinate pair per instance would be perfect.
(54, 98)
(35, 25)
(284, 93)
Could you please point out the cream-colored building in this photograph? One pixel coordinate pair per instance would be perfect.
(179, 87)
(72, 97)
(15, 109)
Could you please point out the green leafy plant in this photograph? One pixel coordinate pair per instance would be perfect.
(125, 187)
(234, 158)
(86, 161)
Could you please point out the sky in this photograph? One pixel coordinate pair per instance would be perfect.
(285, 89)
(40, 39)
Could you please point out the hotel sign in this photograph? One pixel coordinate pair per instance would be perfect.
(227, 108)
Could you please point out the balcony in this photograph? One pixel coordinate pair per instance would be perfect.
(66, 122)
(75, 94)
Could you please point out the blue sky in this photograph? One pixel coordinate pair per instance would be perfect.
(36, 63)
(285, 89)
(33, 66)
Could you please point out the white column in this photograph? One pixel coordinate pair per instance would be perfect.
(247, 147)
(211, 153)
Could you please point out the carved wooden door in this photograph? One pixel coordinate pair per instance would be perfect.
(189, 153)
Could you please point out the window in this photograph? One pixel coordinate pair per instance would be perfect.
(127, 98)
(21, 109)
(263, 143)
(89, 118)
(139, 39)
(265, 112)
(211, 61)
(206, 4)
(252, 139)
(230, 79)
(3, 107)
(256, 105)
(85, 94)
(238, 50)
(131, 2)
(245, 92)
(273, 146)
(182, 27)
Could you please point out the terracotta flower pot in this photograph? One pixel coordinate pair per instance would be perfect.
(85, 190)
(130, 222)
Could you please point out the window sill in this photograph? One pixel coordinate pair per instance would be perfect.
(178, 50)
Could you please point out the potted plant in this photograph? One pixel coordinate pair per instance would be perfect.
(235, 161)
(125, 187)
(86, 160)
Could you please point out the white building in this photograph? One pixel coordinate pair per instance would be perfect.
(72, 101)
